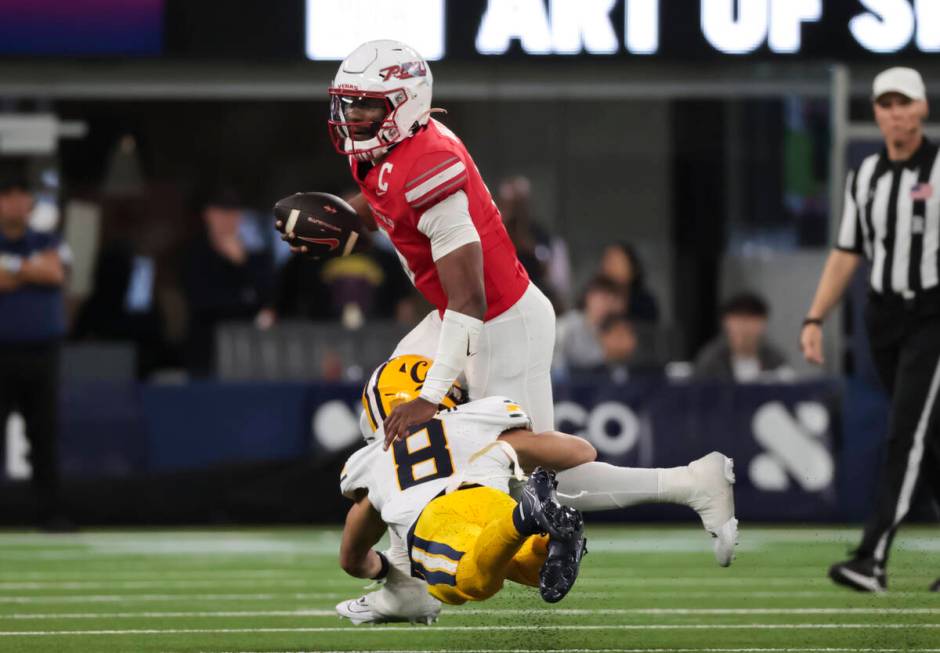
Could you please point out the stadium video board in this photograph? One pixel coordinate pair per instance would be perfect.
(685, 29)
(64, 28)
(475, 30)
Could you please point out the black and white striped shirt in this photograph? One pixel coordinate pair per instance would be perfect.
(892, 216)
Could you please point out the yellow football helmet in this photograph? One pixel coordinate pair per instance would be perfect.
(398, 380)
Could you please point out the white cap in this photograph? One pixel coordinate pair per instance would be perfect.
(905, 81)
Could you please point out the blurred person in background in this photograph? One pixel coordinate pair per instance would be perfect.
(619, 343)
(224, 279)
(892, 218)
(32, 325)
(544, 256)
(123, 306)
(578, 344)
(317, 290)
(741, 353)
(620, 264)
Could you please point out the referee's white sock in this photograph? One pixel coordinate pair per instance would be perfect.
(599, 486)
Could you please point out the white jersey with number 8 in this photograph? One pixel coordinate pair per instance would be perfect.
(438, 455)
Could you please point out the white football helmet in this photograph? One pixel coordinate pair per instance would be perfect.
(384, 71)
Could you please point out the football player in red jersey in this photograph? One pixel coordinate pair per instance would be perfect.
(421, 187)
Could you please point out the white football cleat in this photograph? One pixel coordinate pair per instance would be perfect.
(400, 598)
(362, 611)
(713, 500)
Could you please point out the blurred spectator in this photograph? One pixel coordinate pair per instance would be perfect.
(543, 256)
(123, 306)
(224, 278)
(353, 282)
(368, 283)
(578, 344)
(741, 353)
(619, 342)
(620, 263)
(32, 324)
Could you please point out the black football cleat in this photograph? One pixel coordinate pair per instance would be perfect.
(538, 492)
(936, 586)
(538, 511)
(566, 546)
(861, 574)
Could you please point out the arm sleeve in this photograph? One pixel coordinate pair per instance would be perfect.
(448, 225)
(850, 230)
(458, 341)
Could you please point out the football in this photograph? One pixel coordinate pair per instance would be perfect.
(325, 224)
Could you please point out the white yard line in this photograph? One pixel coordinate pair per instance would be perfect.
(141, 584)
(6, 586)
(133, 598)
(436, 629)
(628, 650)
(490, 612)
(134, 574)
(352, 593)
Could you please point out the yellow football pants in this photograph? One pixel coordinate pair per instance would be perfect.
(465, 545)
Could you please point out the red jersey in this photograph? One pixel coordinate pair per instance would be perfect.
(417, 174)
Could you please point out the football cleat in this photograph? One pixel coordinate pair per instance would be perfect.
(936, 586)
(862, 574)
(537, 495)
(538, 511)
(366, 610)
(713, 500)
(565, 550)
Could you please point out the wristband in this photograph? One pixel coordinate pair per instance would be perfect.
(812, 320)
(383, 572)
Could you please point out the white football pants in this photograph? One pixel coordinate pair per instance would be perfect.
(514, 358)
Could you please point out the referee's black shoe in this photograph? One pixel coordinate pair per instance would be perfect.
(861, 574)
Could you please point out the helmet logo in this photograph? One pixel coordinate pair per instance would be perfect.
(404, 71)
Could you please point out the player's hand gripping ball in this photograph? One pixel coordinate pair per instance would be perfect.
(318, 225)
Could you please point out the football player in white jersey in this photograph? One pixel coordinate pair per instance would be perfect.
(444, 490)
(704, 485)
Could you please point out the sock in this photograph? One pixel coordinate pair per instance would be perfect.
(517, 519)
(599, 486)
(483, 569)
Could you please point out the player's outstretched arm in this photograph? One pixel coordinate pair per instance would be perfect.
(461, 274)
(364, 528)
(551, 449)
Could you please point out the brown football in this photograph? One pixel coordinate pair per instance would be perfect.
(325, 224)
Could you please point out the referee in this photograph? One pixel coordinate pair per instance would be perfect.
(32, 323)
(892, 218)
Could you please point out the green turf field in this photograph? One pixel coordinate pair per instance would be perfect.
(640, 589)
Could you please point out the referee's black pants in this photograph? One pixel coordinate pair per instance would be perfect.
(29, 385)
(905, 344)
